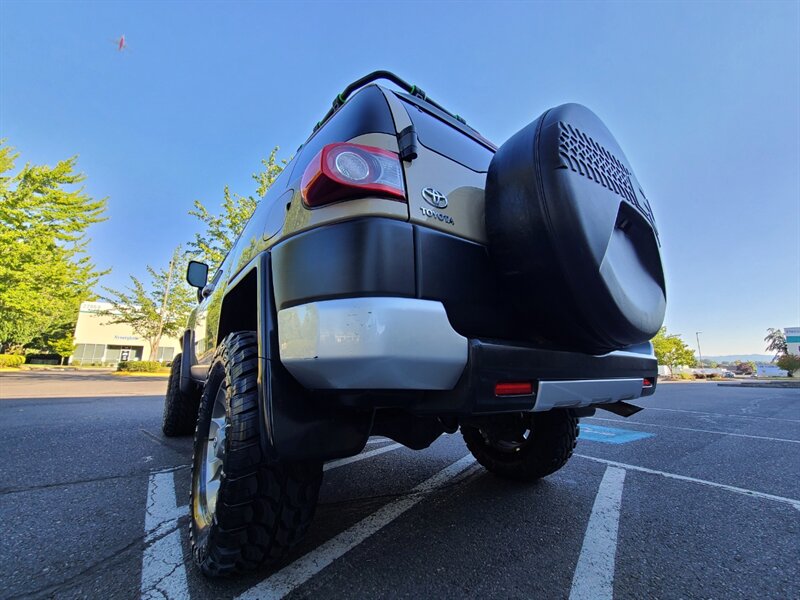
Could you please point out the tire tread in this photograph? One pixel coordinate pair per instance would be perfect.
(264, 506)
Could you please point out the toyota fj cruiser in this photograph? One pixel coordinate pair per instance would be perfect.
(405, 277)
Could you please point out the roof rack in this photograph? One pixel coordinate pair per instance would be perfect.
(389, 76)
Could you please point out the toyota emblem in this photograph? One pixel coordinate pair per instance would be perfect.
(434, 197)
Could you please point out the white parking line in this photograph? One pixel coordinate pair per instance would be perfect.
(163, 569)
(698, 412)
(742, 435)
(351, 459)
(594, 575)
(292, 576)
(378, 440)
(730, 488)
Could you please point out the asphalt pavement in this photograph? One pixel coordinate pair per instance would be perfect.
(696, 497)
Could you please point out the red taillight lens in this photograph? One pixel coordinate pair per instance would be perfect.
(513, 388)
(346, 171)
(647, 382)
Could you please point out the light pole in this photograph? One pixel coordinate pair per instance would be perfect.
(700, 352)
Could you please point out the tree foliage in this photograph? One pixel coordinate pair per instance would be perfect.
(745, 367)
(672, 351)
(221, 230)
(776, 341)
(789, 362)
(44, 270)
(156, 308)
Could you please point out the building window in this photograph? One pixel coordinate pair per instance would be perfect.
(165, 354)
(89, 353)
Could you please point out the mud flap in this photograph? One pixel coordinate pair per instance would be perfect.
(297, 425)
(623, 409)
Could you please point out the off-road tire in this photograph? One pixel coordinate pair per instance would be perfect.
(180, 410)
(263, 506)
(554, 435)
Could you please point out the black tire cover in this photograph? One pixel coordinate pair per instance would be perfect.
(572, 235)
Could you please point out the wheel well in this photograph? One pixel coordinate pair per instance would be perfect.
(240, 307)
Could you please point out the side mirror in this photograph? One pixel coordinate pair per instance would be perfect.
(197, 274)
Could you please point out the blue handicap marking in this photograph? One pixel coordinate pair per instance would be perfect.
(611, 435)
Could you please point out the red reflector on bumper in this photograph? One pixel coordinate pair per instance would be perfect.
(520, 388)
(647, 382)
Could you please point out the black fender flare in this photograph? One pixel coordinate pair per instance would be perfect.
(298, 426)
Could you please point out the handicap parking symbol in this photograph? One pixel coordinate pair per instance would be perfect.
(611, 435)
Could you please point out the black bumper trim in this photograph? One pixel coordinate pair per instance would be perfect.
(491, 361)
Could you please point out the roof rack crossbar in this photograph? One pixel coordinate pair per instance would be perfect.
(389, 76)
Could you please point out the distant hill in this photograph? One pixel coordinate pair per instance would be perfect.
(741, 357)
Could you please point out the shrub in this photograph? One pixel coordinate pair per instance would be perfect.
(11, 360)
(139, 366)
(685, 376)
(790, 363)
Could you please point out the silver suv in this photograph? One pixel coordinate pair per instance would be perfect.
(406, 277)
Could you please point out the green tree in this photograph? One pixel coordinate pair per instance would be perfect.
(58, 340)
(44, 270)
(671, 351)
(776, 342)
(156, 309)
(789, 362)
(64, 347)
(221, 230)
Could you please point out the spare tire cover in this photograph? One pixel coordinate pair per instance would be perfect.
(572, 235)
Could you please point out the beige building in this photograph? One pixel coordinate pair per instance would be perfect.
(100, 342)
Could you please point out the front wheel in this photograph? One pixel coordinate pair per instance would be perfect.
(247, 510)
(524, 446)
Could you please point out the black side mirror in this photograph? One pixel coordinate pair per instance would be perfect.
(197, 274)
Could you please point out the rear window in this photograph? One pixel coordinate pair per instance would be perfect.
(444, 139)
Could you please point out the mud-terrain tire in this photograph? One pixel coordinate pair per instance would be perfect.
(549, 445)
(180, 410)
(262, 507)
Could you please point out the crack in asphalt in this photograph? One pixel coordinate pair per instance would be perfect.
(163, 442)
(147, 592)
(44, 486)
(139, 543)
(54, 589)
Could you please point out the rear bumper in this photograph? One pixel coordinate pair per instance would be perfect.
(560, 379)
(402, 316)
(371, 343)
(370, 349)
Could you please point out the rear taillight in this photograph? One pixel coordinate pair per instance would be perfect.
(513, 388)
(345, 171)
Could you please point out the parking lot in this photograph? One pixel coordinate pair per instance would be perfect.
(696, 497)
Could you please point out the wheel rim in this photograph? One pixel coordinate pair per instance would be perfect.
(520, 440)
(212, 460)
(510, 439)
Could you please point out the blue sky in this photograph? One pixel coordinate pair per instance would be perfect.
(703, 97)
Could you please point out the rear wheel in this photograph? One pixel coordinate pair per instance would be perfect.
(524, 446)
(247, 510)
(180, 410)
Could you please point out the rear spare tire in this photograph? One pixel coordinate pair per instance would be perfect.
(572, 235)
